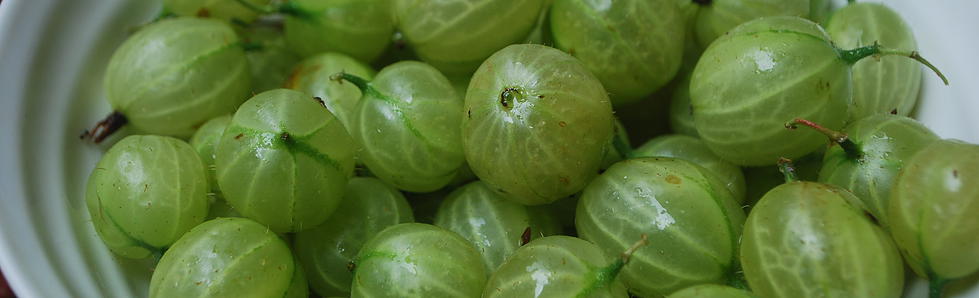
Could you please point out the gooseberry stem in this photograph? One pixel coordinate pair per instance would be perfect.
(361, 83)
(607, 275)
(936, 287)
(852, 149)
(857, 54)
(788, 169)
(105, 127)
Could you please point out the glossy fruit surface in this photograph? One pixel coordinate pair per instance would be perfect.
(885, 143)
(145, 193)
(226, 10)
(493, 224)
(761, 75)
(228, 257)
(803, 239)
(933, 210)
(693, 150)
(359, 28)
(630, 45)
(204, 141)
(418, 260)
(556, 266)
(692, 221)
(284, 160)
(312, 76)
(882, 85)
(681, 112)
(456, 36)
(368, 207)
(536, 124)
(407, 125)
(712, 291)
(720, 16)
(174, 75)
(271, 61)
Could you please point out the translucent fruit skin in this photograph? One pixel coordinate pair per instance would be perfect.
(629, 45)
(933, 210)
(720, 16)
(711, 291)
(284, 161)
(887, 142)
(555, 266)
(693, 150)
(407, 126)
(493, 224)
(549, 139)
(270, 64)
(761, 75)
(418, 260)
(175, 74)
(803, 239)
(226, 10)
(368, 207)
(228, 257)
(145, 193)
(205, 141)
(312, 76)
(359, 28)
(881, 85)
(692, 221)
(456, 36)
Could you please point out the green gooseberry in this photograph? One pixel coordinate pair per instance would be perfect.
(681, 113)
(629, 45)
(885, 85)
(368, 207)
(204, 141)
(227, 10)
(418, 260)
(933, 209)
(312, 76)
(271, 61)
(284, 161)
(560, 266)
(692, 221)
(228, 257)
(456, 36)
(870, 155)
(407, 126)
(494, 225)
(145, 193)
(174, 75)
(806, 239)
(693, 150)
(716, 17)
(712, 291)
(359, 28)
(820, 10)
(536, 124)
(613, 154)
(765, 73)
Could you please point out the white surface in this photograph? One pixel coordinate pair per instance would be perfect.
(53, 53)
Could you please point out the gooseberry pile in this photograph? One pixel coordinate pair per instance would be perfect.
(467, 148)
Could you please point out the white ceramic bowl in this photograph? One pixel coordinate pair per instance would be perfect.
(52, 57)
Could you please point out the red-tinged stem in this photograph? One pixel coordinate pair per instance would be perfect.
(105, 128)
(852, 149)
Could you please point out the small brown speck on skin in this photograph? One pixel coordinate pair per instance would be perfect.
(894, 111)
(673, 179)
(562, 124)
(469, 114)
(564, 180)
(955, 173)
(203, 13)
(238, 137)
(351, 266)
